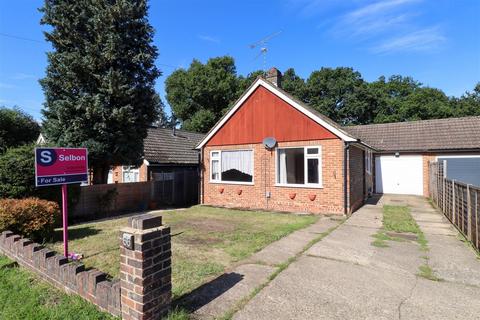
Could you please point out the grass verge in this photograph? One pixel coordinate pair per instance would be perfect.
(24, 296)
(425, 271)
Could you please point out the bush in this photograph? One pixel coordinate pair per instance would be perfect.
(31, 217)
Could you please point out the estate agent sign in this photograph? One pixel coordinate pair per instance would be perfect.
(61, 166)
(54, 166)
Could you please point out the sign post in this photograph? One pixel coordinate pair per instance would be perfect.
(61, 166)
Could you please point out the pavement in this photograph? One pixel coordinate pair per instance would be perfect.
(345, 277)
(223, 294)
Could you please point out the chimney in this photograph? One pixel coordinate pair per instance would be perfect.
(275, 77)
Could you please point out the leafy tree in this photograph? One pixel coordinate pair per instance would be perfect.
(468, 104)
(17, 172)
(245, 82)
(202, 93)
(99, 86)
(390, 96)
(16, 128)
(338, 93)
(294, 84)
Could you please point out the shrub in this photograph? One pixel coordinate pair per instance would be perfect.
(31, 217)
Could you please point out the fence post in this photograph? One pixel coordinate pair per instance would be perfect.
(476, 219)
(469, 214)
(145, 268)
(453, 202)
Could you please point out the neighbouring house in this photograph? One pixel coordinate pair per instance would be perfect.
(273, 152)
(404, 150)
(166, 152)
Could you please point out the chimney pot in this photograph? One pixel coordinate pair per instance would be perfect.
(275, 77)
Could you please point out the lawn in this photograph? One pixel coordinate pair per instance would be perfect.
(205, 241)
(24, 297)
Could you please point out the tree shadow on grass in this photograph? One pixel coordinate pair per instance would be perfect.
(77, 233)
(208, 292)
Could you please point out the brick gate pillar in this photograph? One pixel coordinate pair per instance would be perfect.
(145, 268)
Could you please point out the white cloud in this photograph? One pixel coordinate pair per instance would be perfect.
(209, 38)
(420, 40)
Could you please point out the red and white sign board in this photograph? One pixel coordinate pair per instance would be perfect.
(54, 166)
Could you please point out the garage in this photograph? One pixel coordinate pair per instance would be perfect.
(399, 174)
(465, 168)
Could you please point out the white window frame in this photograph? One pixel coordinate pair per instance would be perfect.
(219, 158)
(307, 156)
(368, 161)
(133, 169)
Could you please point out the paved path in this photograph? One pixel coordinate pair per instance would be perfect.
(345, 277)
(218, 297)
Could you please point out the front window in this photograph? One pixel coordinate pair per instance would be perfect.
(299, 166)
(232, 166)
(130, 174)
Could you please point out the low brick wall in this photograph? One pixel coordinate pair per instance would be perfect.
(69, 276)
(145, 289)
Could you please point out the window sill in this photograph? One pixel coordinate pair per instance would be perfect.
(303, 186)
(233, 182)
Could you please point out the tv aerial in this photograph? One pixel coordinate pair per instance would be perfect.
(263, 45)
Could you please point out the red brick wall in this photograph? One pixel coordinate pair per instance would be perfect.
(356, 181)
(72, 277)
(427, 158)
(328, 199)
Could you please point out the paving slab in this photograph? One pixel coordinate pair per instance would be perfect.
(291, 245)
(317, 288)
(217, 297)
(433, 300)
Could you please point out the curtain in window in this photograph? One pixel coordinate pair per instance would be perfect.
(282, 166)
(237, 165)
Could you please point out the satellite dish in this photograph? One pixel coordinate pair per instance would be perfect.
(269, 143)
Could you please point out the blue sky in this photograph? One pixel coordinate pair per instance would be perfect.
(435, 41)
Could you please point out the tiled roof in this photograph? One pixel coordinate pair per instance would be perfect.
(425, 135)
(162, 147)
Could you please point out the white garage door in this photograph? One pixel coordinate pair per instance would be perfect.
(402, 175)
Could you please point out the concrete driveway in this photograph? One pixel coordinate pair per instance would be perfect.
(345, 277)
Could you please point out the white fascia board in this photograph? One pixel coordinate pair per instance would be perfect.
(278, 93)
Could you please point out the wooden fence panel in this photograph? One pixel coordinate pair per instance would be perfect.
(458, 201)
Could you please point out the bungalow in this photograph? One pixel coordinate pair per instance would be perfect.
(166, 151)
(273, 152)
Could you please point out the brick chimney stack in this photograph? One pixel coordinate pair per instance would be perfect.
(274, 76)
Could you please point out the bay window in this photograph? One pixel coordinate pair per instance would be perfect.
(299, 166)
(234, 166)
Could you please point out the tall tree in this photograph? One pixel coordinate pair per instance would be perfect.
(99, 84)
(294, 84)
(468, 104)
(16, 128)
(200, 95)
(338, 93)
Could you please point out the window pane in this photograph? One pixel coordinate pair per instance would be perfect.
(313, 171)
(291, 166)
(237, 166)
(215, 170)
(215, 154)
(312, 151)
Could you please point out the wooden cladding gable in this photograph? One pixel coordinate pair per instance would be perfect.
(264, 114)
